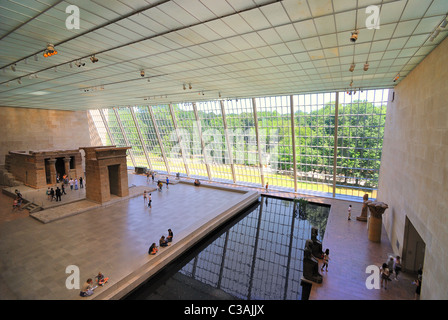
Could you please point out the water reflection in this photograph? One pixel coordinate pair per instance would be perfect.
(258, 258)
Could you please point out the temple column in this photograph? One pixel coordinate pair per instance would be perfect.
(67, 166)
(376, 220)
(52, 167)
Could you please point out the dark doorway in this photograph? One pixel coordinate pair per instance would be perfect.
(113, 179)
(413, 248)
(60, 168)
(47, 171)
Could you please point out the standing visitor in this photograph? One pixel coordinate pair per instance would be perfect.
(149, 201)
(349, 211)
(326, 259)
(51, 194)
(76, 184)
(58, 194)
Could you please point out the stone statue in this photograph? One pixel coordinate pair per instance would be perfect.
(310, 264)
(316, 248)
(365, 209)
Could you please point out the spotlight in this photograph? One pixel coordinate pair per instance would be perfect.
(93, 59)
(189, 86)
(184, 87)
(142, 73)
(352, 67)
(79, 64)
(366, 66)
(354, 36)
(396, 77)
(13, 67)
(50, 51)
(19, 80)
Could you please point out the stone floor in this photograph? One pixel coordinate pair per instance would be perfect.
(114, 239)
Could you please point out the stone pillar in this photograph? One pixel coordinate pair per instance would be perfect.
(52, 166)
(376, 220)
(67, 166)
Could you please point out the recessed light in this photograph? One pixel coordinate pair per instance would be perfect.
(39, 93)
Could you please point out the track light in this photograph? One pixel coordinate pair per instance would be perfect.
(189, 86)
(352, 67)
(396, 77)
(93, 59)
(13, 67)
(366, 66)
(19, 80)
(142, 73)
(79, 63)
(184, 86)
(50, 51)
(354, 36)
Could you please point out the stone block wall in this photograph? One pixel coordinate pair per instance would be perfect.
(414, 166)
(40, 129)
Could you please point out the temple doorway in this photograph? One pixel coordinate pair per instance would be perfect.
(60, 168)
(114, 177)
(413, 248)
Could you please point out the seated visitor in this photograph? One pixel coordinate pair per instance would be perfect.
(170, 236)
(153, 249)
(87, 289)
(197, 182)
(177, 176)
(100, 279)
(163, 242)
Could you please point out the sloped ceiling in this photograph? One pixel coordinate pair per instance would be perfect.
(222, 48)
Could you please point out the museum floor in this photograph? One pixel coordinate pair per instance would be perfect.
(114, 239)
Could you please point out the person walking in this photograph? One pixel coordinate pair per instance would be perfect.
(149, 201)
(397, 267)
(76, 184)
(385, 273)
(81, 182)
(144, 197)
(167, 182)
(63, 189)
(51, 194)
(326, 258)
(58, 194)
(349, 212)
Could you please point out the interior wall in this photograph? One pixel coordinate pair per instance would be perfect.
(40, 129)
(414, 166)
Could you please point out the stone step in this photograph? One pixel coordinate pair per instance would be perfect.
(32, 207)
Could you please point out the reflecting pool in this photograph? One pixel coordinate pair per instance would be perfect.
(258, 256)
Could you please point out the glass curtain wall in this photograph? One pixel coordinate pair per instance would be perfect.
(314, 129)
(100, 127)
(150, 140)
(215, 144)
(254, 141)
(190, 140)
(168, 136)
(243, 141)
(274, 123)
(361, 121)
(132, 138)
